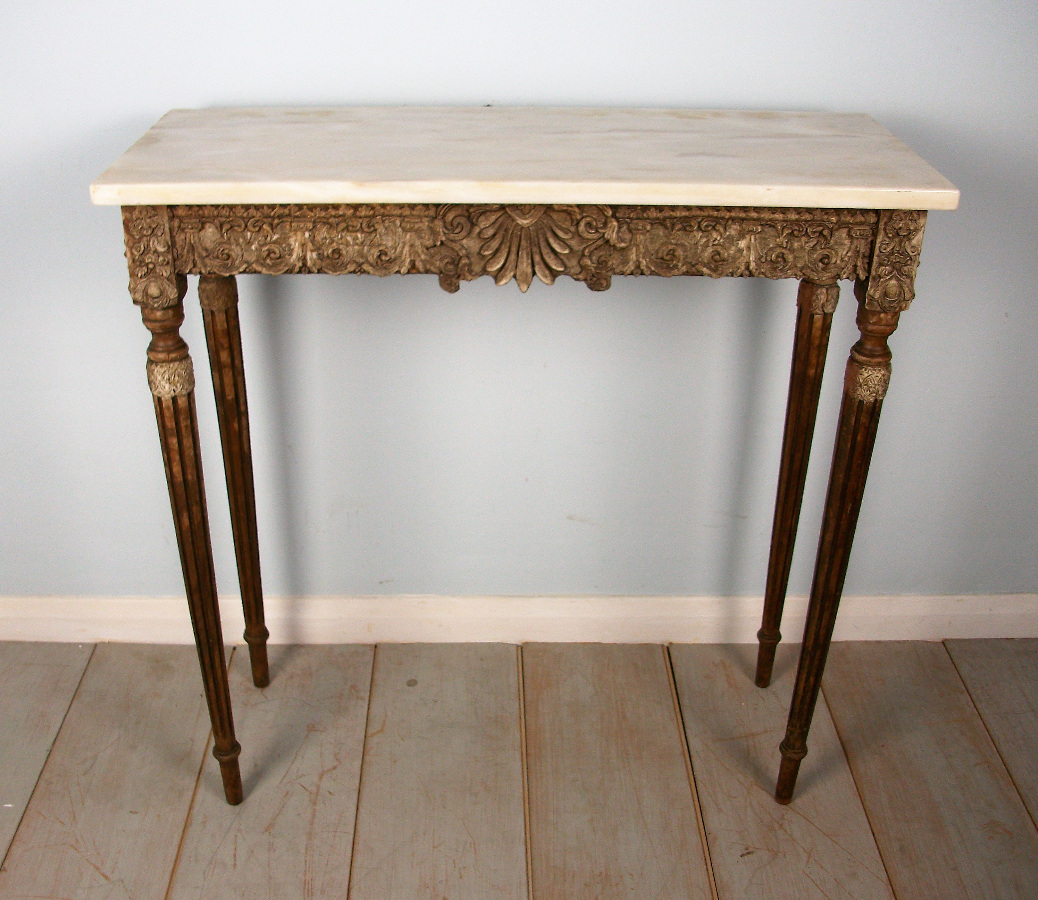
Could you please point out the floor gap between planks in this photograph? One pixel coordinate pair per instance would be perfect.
(546, 771)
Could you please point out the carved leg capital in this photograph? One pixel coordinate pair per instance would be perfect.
(217, 293)
(868, 369)
(818, 299)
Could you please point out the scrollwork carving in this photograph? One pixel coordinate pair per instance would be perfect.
(149, 256)
(899, 241)
(335, 240)
(593, 243)
(460, 242)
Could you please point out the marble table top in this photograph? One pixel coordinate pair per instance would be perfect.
(521, 155)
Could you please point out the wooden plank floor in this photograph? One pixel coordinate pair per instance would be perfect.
(108, 811)
(37, 682)
(550, 772)
(441, 804)
(821, 845)
(1002, 678)
(926, 766)
(612, 813)
(305, 735)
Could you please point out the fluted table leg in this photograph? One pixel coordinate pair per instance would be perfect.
(219, 299)
(171, 378)
(815, 306)
(868, 373)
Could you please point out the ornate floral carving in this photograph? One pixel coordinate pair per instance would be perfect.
(171, 379)
(590, 243)
(273, 240)
(149, 255)
(820, 245)
(522, 241)
(899, 241)
(868, 383)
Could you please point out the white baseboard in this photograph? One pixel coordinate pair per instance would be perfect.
(319, 620)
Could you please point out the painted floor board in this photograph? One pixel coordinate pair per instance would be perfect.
(37, 682)
(302, 739)
(441, 798)
(1002, 678)
(821, 845)
(946, 816)
(105, 820)
(612, 814)
(109, 809)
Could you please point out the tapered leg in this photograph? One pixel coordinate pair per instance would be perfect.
(171, 378)
(868, 373)
(219, 298)
(815, 306)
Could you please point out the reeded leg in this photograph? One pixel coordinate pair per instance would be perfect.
(868, 373)
(171, 378)
(815, 306)
(219, 298)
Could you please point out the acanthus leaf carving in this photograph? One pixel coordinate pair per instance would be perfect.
(149, 256)
(899, 242)
(590, 243)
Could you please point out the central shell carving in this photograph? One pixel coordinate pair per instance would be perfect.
(523, 241)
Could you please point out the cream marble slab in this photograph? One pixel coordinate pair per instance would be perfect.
(521, 155)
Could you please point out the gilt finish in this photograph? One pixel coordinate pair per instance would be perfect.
(461, 242)
(160, 294)
(882, 296)
(865, 383)
(898, 244)
(149, 255)
(878, 249)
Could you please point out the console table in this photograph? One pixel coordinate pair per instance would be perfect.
(520, 193)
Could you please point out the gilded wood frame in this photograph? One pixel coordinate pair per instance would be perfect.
(877, 249)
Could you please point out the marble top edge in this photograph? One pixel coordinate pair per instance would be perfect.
(407, 154)
(375, 193)
(491, 110)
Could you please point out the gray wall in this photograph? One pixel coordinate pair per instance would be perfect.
(488, 442)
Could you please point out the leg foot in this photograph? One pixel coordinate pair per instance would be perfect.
(787, 777)
(766, 656)
(230, 772)
(258, 657)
